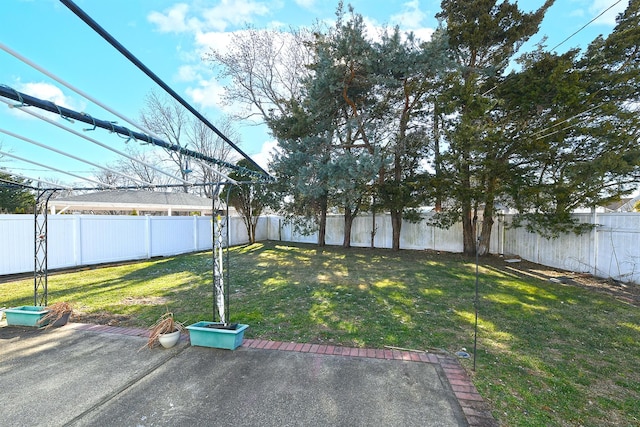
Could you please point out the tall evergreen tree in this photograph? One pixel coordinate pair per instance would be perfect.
(326, 158)
(408, 73)
(302, 166)
(484, 36)
(343, 87)
(589, 142)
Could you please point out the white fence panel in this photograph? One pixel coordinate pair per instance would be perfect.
(447, 240)
(16, 243)
(100, 241)
(75, 240)
(618, 246)
(263, 229)
(63, 241)
(335, 231)
(418, 236)
(568, 252)
(237, 231)
(171, 235)
(612, 249)
(202, 232)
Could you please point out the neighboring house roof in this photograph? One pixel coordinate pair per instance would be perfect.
(623, 205)
(147, 201)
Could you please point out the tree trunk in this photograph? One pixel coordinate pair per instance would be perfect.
(437, 159)
(254, 226)
(468, 230)
(468, 221)
(396, 226)
(487, 219)
(373, 228)
(485, 234)
(348, 222)
(322, 227)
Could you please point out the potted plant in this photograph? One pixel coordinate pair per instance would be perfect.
(25, 315)
(34, 315)
(222, 333)
(166, 331)
(57, 315)
(217, 334)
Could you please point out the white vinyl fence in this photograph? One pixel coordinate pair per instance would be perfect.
(612, 249)
(417, 236)
(75, 240)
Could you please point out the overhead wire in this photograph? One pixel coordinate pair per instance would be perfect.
(71, 156)
(578, 114)
(52, 184)
(566, 39)
(585, 25)
(101, 184)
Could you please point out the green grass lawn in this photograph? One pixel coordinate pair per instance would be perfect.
(548, 354)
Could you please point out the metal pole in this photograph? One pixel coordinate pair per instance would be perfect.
(475, 304)
(228, 271)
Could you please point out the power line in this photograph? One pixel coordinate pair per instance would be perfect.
(565, 40)
(585, 25)
(564, 121)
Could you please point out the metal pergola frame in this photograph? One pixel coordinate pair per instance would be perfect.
(219, 234)
(220, 243)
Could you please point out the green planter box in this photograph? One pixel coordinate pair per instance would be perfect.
(201, 335)
(27, 315)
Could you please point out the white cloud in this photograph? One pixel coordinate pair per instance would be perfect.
(181, 18)
(47, 92)
(187, 73)
(266, 153)
(609, 18)
(371, 28)
(577, 13)
(207, 94)
(423, 34)
(213, 39)
(306, 4)
(235, 12)
(174, 19)
(412, 18)
(275, 25)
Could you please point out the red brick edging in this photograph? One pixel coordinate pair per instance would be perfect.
(476, 410)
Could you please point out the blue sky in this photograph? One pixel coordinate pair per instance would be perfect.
(170, 37)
